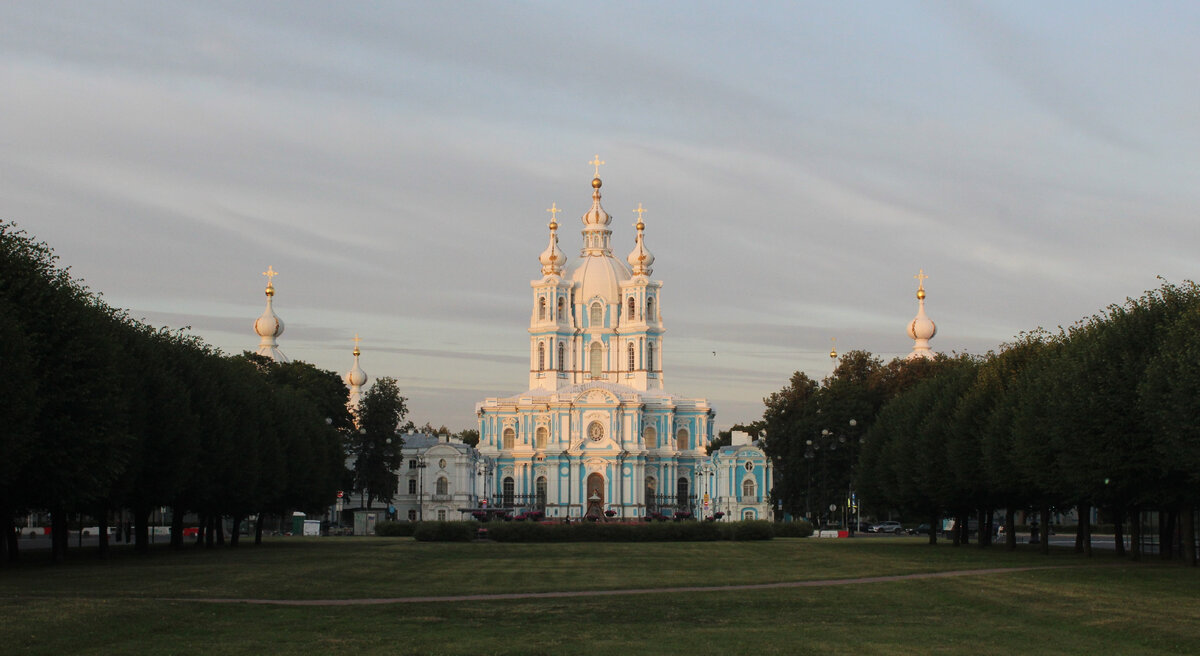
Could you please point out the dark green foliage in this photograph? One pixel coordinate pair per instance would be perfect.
(395, 529)
(102, 412)
(687, 531)
(446, 531)
(376, 446)
(794, 529)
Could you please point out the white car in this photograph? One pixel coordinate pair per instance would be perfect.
(889, 527)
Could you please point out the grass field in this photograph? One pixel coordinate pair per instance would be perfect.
(150, 605)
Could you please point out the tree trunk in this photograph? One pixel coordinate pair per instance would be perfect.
(1187, 523)
(1045, 530)
(1135, 534)
(258, 527)
(177, 527)
(1085, 520)
(1079, 529)
(220, 519)
(1118, 531)
(102, 548)
(58, 535)
(201, 526)
(1167, 522)
(141, 530)
(8, 547)
(985, 527)
(934, 524)
(235, 531)
(210, 537)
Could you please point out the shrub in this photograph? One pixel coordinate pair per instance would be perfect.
(446, 531)
(752, 529)
(395, 529)
(799, 528)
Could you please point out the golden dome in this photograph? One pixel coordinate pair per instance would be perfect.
(596, 183)
(921, 294)
(832, 354)
(270, 290)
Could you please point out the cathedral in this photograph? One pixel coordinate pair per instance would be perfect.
(596, 434)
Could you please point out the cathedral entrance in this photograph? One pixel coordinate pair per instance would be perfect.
(595, 496)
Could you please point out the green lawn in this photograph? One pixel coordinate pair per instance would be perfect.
(1082, 606)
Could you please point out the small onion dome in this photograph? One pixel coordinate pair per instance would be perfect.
(641, 259)
(356, 377)
(922, 327)
(596, 216)
(268, 324)
(552, 258)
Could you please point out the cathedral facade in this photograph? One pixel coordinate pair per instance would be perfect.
(596, 434)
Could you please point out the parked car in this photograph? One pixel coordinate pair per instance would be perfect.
(889, 527)
(866, 527)
(923, 529)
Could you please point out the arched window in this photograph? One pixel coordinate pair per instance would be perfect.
(561, 308)
(510, 438)
(542, 309)
(508, 488)
(650, 357)
(540, 489)
(443, 485)
(681, 491)
(632, 308)
(651, 437)
(597, 361)
(631, 362)
(412, 486)
(649, 308)
(562, 357)
(651, 493)
(541, 357)
(541, 436)
(748, 489)
(597, 318)
(681, 440)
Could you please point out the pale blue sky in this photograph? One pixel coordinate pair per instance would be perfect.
(799, 162)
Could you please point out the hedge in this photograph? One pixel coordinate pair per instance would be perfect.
(648, 532)
(446, 531)
(799, 528)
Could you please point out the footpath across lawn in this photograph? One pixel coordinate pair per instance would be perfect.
(119, 605)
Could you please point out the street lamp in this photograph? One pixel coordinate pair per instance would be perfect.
(421, 488)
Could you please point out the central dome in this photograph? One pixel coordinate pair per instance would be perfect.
(599, 275)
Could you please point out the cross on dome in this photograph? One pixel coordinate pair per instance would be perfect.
(597, 162)
(356, 341)
(553, 215)
(640, 211)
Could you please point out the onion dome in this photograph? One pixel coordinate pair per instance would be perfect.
(921, 329)
(641, 259)
(596, 272)
(355, 379)
(268, 325)
(552, 258)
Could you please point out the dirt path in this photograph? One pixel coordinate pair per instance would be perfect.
(611, 593)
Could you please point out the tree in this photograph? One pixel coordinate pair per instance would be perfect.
(376, 446)
(469, 436)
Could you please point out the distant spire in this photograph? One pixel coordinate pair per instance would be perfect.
(921, 329)
(641, 259)
(268, 325)
(355, 379)
(552, 258)
(596, 234)
(833, 349)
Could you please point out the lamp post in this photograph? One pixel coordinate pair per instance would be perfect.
(809, 454)
(707, 470)
(421, 488)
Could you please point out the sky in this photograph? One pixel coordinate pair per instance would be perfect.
(799, 163)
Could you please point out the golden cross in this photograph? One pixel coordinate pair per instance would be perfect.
(597, 163)
(553, 213)
(640, 211)
(356, 340)
(270, 274)
(921, 278)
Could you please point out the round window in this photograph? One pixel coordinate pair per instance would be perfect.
(595, 431)
(442, 463)
(749, 466)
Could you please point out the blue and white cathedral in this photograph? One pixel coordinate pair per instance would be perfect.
(596, 433)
